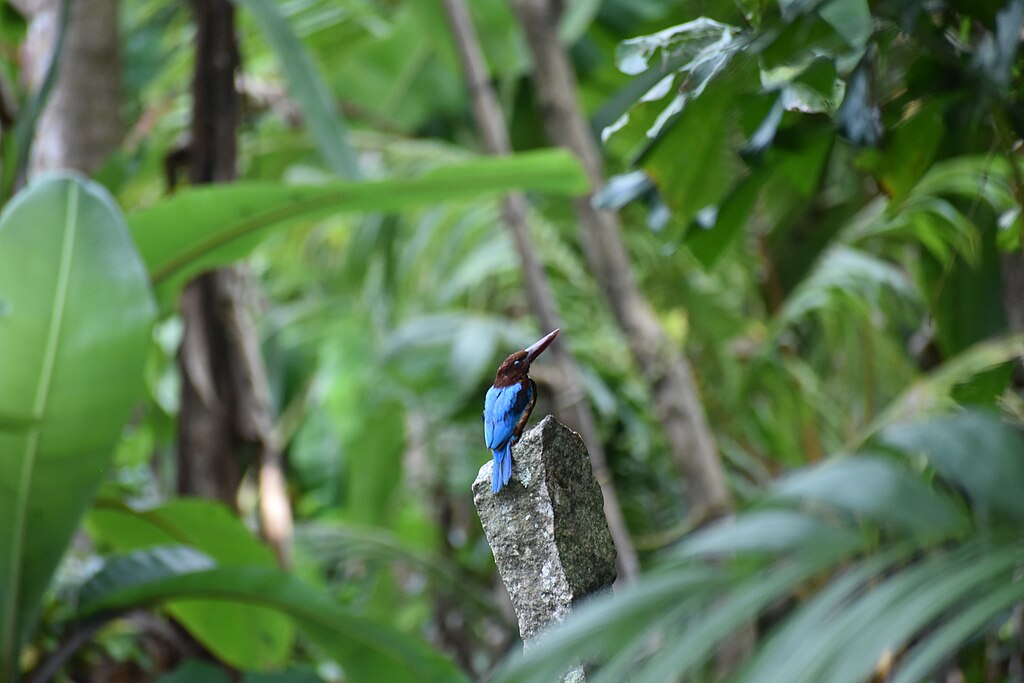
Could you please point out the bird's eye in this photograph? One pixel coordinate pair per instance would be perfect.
(518, 363)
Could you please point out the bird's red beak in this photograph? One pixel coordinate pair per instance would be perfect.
(538, 347)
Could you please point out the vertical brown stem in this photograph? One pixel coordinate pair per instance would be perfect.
(668, 374)
(570, 398)
(208, 444)
(225, 403)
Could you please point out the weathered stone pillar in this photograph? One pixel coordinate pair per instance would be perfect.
(547, 528)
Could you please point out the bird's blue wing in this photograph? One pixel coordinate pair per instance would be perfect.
(502, 408)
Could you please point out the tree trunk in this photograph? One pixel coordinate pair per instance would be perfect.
(225, 401)
(81, 124)
(570, 399)
(668, 374)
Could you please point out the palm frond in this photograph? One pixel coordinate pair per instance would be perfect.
(884, 561)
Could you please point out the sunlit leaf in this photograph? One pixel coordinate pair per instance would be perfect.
(368, 650)
(244, 635)
(205, 227)
(73, 340)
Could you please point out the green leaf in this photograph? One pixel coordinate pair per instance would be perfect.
(907, 153)
(205, 525)
(878, 489)
(962, 577)
(741, 605)
(692, 163)
(308, 88)
(934, 393)
(28, 118)
(73, 341)
(205, 227)
(297, 675)
(970, 177)
(694, 40)
(709, 243)
(965, 298)
(841, 271)
(850, 18)
(243, 635)
(795, 170)
(143, 566)
(936, 648)
(576, 18)
(783, 655)
(367, 650)
(770, 532)
(195, 671)
(953, 446)
(598, 627)
(868, 611)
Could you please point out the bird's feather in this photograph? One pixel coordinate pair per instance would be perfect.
(506, 410)
(503, 407)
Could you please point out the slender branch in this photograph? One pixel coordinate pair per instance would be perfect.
(81, 635)
(668, 374)
(571, 397)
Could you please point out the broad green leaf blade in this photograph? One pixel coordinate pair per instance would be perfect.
(783, 656)
(205, 525)
(961, 580)
(695, 646)
(828, 641)
(367, 650)
(847, 272)
(333, 542)
(940, 645)
(143, 566)
(877, 489)
(692, 163)
(295, 675)
(205, 227)
(708, 243)
(933, 393)
(195, 671)
(599, 627)
(976, 451)
(308, 89)
(767, 532)
(243, 635)
(73, 338)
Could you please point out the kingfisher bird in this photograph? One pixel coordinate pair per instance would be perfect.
(508, 405)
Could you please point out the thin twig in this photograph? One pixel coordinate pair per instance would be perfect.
(82, 634)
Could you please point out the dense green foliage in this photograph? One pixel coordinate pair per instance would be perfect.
(822, 202)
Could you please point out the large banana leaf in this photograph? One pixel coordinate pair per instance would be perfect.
(243, 635)
(205, 227)
(75, 316)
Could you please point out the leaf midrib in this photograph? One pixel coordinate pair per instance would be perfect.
(8, 651)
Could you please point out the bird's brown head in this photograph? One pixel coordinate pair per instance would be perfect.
(516, 367)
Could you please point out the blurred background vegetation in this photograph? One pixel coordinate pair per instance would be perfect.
(820, 201)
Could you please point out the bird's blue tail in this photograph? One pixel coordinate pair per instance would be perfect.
(501, 471)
